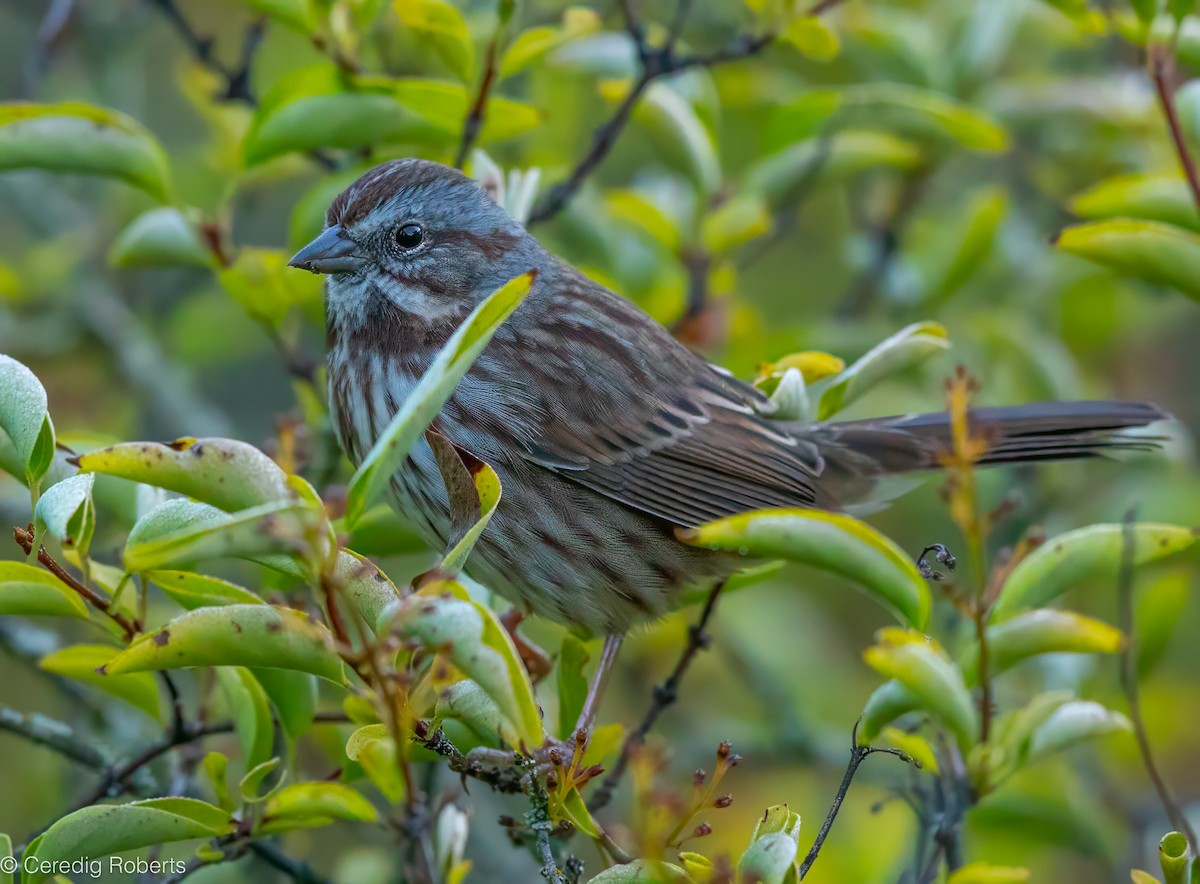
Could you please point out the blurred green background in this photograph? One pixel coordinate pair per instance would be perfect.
(889, 216)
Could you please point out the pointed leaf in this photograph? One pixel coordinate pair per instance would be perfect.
(440, 26)
(921, 666)
(1042, 631)
(311, 805)
(294, 696)
(225, 473)
(235, 635)
(1148, 250)
(251, 713)
(102, 830)
(431, 392)
(1085, 555)
(80, 138)
(1164, 198)
(830, 541)
(1071, 723)
(191, 590)
(911, 345)
(887, 703)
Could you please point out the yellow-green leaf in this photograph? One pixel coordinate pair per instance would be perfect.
(80, 138)
(26, 590)
(311, 805)
(1149, 250)
(375, 751)
(25, 419)
(1042, 631)
(434, 388)
(1091, 554)
(832, 542)
(1163, 198)
(80, 663)
(911, 345)
(162, 237)
(235, 635)
(440, 26)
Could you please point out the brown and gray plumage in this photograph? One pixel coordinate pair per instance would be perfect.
(606, 432)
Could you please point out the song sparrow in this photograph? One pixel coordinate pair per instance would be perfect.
(606, 432)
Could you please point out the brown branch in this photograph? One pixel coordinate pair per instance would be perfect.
(663, 696)
(96, 599)
(655, 63)
(507, 780)
(475, 117)
(1129, 683)
(1162, 68)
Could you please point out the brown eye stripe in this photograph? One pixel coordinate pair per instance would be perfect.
(384, 182)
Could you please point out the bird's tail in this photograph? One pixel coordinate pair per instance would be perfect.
(1042, 431)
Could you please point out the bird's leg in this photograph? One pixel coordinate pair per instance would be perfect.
(537, 662)
(591, 704)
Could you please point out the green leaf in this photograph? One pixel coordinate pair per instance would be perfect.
(299, 15)
(361, 581)
(24, 417)
(261, 282)
(162, 237)
(911, 345)
(251, 712)
(312, 805)
(812, 37)
(427, 398)
(642, 871)
(216, 769)
(986, 873)
(26, 590)
(1163, 198)
(235, 635)
(80, 663)
(922, 666)
(487, 488)
(444, 618)
(225, 473)
(530, 46)
(1015, 729)
(321, 107)
(468, 702)
(180, 532)
(893, 107)
(308, 216)
(1091, 554)
(1071, 723)
(1042, 631)
(572, 684)
(6, 852)
(734, 223)
(887, 703)
(191, 590)
(979, 225)
(251, 783)
(771, 856)
(640, 212)
(673, 124)
(914, 746)
(1175, 857)
(440, 26)
(373, 748)
(832, 542)
(81, 138)
(67, 513)
(1158, 614)
(102, 830)
(294, 696)
(777, 176)
(1146, 250)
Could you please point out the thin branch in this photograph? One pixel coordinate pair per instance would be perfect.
(53, 734)
(538, 820)
(1162, 68)
(507, 780)
(475, 117)
(664, 695)
(96, 599)
(858, 754)
(824, 6)
(654, 63)
(1129, 683)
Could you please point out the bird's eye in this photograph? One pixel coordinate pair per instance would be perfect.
(409, 236)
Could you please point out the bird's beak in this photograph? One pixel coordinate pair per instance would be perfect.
(331, 252)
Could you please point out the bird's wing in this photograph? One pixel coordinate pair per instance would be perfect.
(614, 403)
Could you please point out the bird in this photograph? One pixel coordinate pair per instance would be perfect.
(609, 436)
